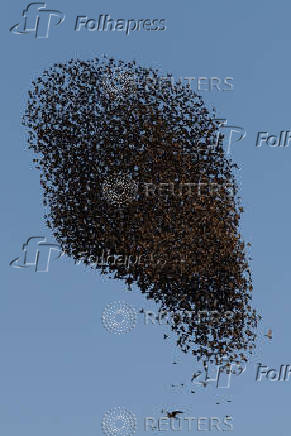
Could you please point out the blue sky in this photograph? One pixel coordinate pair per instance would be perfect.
(60, 369)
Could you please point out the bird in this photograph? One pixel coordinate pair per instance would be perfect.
(195, 375)
(174, 413)
(269, 334)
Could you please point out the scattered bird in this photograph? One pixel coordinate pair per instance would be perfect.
(269, 334)
(173, 414)
(195, 375)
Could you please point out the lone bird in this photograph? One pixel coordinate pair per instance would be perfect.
(195, 375)
(269, 334)
(173, 414)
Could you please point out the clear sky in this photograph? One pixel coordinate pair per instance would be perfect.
(60, 369)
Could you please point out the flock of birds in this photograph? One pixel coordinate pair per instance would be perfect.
(85, 139)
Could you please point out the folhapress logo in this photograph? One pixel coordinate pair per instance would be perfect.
(37, 19)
